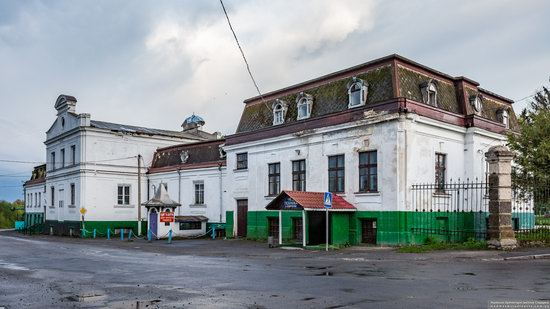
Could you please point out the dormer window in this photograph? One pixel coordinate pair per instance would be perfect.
(504, 117)
(279, 112)
(477, 103)
(357, 92)
(429, 93)
(304, 103)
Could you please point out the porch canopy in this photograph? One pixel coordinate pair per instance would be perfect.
(305, 201)
(309, 201)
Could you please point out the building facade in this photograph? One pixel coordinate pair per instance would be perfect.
(96, 170)
(35, 197)
(195, 175)
(367, 134)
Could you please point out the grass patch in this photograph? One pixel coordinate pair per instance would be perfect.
(435, 245)
(542, 220)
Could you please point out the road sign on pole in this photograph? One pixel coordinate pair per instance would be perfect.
(328, 200)
(328, 204)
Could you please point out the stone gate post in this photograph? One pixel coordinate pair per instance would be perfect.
(499, 232)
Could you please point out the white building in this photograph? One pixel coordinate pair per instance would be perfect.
(35, 198)
(92, 168)
(195, 176)
(367, 133)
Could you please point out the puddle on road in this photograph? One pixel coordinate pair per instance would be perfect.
(325, 273)
(12, 266)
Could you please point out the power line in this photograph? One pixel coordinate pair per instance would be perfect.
(527, 97)
(242, 53)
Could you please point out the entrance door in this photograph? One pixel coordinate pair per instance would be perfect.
(153, 219)
(316, 225)
(273, 227)
(368, 231)
(242, 217)
(297, 230)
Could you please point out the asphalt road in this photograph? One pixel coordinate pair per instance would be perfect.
(52, 272)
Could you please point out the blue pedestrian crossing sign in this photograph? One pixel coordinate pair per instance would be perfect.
(328, 200)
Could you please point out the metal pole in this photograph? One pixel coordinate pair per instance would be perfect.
(304, 228)
(326, 249)
(280, 227)
(139, 195)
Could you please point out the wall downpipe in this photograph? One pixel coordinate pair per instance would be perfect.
(221, 191)
(179, 191)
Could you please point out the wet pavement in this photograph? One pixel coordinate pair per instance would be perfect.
(54, 272)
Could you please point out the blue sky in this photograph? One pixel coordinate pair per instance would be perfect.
(153, 63)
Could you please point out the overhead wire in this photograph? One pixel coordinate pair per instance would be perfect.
(242, 54)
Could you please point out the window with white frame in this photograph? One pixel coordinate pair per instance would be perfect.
(73, 154)
(279, 112)
(73, 194)
(199, 193)
(429, 93)
(123, 196)
(62, 154)
(304, 103)
(39, 199)
(504, 117)
(357, 92)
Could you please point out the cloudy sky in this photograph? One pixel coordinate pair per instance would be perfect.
(153, 63)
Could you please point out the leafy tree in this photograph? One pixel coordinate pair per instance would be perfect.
(532, 144)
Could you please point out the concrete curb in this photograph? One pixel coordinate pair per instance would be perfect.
(529, 257)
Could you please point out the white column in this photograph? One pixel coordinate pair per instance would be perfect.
(280, 227)
(303, 228)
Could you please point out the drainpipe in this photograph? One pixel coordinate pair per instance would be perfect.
(179, 191)
(221, 191)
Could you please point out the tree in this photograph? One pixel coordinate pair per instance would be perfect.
(532, 144)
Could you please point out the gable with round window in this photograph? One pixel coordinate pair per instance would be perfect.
(357, 92)
(279, 112)
(304, 103)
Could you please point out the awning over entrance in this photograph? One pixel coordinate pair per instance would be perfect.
(298, 200)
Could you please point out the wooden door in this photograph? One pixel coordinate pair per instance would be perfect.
(368, 231)
(242, 217)
(297, 230)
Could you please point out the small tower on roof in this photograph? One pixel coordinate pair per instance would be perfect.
(192, 122)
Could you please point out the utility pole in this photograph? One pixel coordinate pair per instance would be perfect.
(139, 194)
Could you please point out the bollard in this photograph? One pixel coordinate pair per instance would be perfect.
(121, 234)
(130, 235)
(109, 233)
(149, 235)
(94, 233)
(213, 232)
(170, 236)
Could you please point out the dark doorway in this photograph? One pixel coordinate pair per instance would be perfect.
(316, 227)
(242, 217)
(273, 227)
(368, 231)
(297, 230)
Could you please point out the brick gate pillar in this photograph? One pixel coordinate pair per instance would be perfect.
(500, 232)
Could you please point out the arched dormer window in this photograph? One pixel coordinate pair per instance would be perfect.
(429, 93)
(357, 92)
(279, 112)
(477, 103)
(304, 103)
(504, 117)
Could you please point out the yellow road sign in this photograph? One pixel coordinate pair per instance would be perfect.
(82, 211)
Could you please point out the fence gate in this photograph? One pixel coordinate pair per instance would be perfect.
(452, 212)
(531, 210)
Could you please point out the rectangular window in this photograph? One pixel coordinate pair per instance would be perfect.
(123, 195)
(199, 193)
(440, 171)
(190, 226)
(60, 200)
(52, 198)
(336, 173)
(299, 175)
(39, 199)
(274, 178)
(35, 199)
(368, 171)
(52, 157)
(242, 161)
(62, 154)
(73, 154)
(73, 197)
